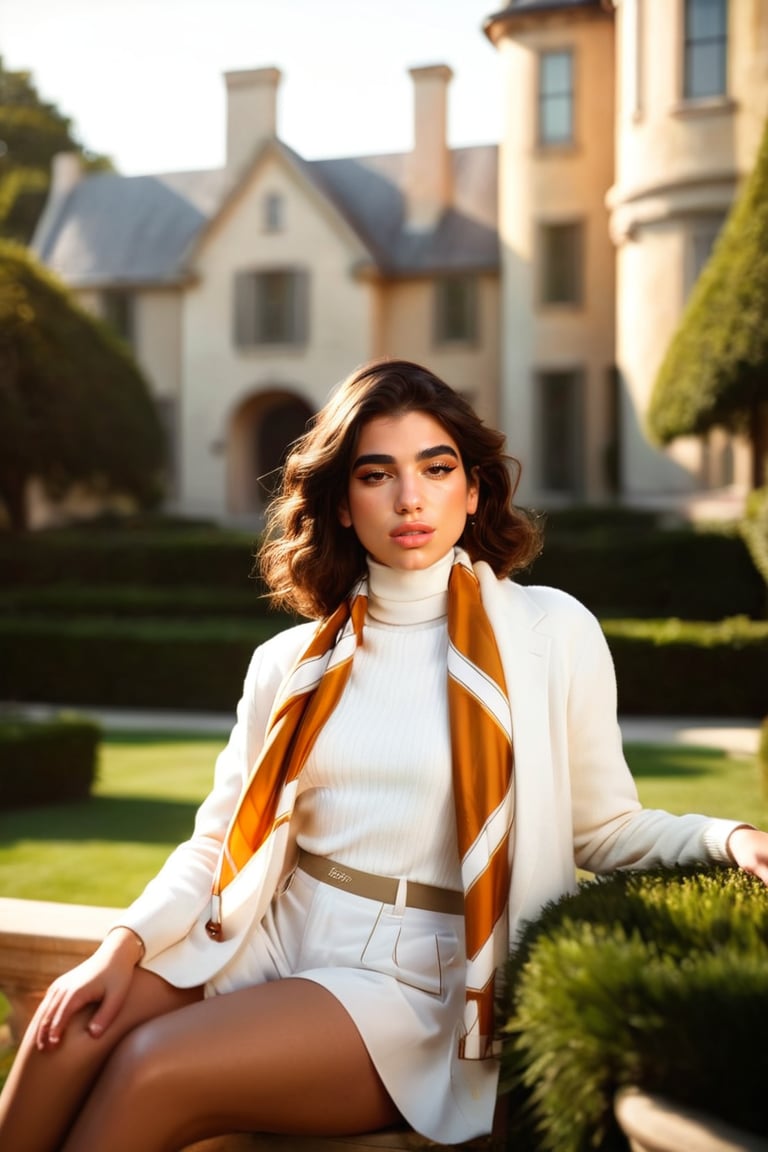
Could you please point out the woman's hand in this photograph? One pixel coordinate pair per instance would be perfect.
(103, 979)
(749, 849)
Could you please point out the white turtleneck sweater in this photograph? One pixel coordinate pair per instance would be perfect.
(376, 792)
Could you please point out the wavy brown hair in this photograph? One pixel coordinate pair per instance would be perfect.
(308, 560)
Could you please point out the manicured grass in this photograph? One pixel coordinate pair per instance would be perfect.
(699, 780)
(104, 850)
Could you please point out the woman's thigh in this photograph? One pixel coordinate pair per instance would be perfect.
(62, 1076)
(278, 1057)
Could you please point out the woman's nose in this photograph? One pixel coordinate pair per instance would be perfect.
(409, 496)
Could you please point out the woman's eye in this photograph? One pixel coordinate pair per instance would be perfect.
(440, 469)
(372, 477)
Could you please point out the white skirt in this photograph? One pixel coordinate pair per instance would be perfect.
(401, 979)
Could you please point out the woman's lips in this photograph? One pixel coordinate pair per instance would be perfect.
(412, 535)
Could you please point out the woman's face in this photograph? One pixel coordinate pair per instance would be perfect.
(408, 496)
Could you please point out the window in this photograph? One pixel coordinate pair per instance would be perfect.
(561, 255)
(560, 431)
(271, 307)
(556, 98)
(455, 309)
(705, 48)
(118, 308)
(274, 212)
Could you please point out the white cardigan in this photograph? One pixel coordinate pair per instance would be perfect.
(575, 799)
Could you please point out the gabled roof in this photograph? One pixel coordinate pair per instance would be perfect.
(113, 230)
(369, 191)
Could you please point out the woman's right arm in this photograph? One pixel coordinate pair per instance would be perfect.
(103, 979)
(174, 900)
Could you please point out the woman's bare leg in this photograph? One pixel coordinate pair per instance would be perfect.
(279, 1057)
(45, 1089)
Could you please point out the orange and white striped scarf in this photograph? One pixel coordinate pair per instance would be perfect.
(482, 760)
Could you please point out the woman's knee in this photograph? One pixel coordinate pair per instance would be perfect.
(137, 1065)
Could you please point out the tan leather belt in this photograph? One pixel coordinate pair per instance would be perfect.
(381, 888)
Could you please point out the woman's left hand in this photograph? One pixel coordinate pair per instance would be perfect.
(749, 849)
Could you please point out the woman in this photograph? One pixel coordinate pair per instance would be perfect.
(406, 783)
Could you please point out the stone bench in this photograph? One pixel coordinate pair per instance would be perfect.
(39, 940)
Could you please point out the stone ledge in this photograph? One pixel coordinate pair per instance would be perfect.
(395, 1140)
(390, 1140)
(39, 940)
(653, 1123)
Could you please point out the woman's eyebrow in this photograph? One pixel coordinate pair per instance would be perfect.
(425, 454)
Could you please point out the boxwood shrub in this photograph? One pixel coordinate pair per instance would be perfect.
(762, 754)
(663, 667)
(148, 663)
(7, 1050)
(121, 601)
(658, 980)
(694, 575)
(754, 529)
(676, 667)
(199, 558)
(47, 762)
(617, 562)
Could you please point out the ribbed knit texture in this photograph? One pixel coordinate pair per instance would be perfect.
(376, 790)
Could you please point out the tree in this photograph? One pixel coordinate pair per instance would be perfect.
(715, 371)
(31, 133)
(74, 408)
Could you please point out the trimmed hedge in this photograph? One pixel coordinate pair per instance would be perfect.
(762, 754)
(130, 664)
(615, 562)
(694, 575)
(47, 763)
(675, 667)
(121, 601)
(754, 529)
(658, 980)
(663, 667)
(7, 1050)
(198, 558)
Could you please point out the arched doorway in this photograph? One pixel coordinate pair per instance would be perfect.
(261, 430)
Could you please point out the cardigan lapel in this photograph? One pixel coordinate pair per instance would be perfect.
(525, 655)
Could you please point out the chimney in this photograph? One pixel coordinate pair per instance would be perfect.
(66, 172)
(251, 112)
(429, 178)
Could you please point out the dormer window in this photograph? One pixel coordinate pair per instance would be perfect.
(274, 212)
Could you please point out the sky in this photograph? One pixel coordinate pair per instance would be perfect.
(142, 80)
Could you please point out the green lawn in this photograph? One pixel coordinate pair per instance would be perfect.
(104, 850)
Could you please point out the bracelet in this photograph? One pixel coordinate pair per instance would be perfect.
(137, 938)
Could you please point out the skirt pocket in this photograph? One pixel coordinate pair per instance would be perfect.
(411, 949)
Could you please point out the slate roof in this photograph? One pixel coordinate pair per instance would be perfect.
(141, 230)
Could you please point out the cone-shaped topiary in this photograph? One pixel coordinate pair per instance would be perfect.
(715, 371)
(74, 407)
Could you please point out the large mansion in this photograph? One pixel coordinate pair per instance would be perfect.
(543, 276)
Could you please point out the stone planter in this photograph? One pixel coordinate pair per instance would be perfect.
(655, 1124)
